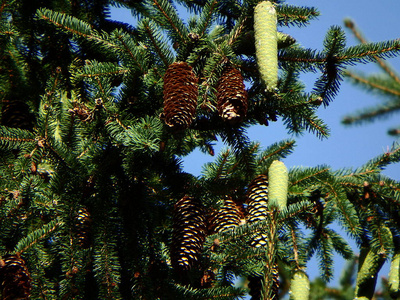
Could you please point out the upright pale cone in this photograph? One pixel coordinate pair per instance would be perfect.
(394, 276)
(300, 286)
(278, 184)
(266, 39)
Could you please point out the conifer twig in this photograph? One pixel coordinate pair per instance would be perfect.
(357, 33)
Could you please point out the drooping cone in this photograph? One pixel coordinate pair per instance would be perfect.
(227, 217)
(266, 39)
(16, 114)
(231, 96)
(255, 286)
(257, 200)
(275, 281)
(189, 233)
(15, 279)
(83, 227)
(180, 95)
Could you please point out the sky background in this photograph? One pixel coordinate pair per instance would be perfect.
(347, 147)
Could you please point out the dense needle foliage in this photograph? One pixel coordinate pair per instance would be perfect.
(94, 202)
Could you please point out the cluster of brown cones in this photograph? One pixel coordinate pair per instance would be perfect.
(181, 92)
(192, 224)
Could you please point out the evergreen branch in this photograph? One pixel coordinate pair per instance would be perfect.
(293, 210)
(136, 53)
(394, 131)
(227, 293)
(294, 15)
(145, 136)
(238, 30)
(162, 52)
(300, 59)
(371, 114)
(11, 138)
(275, 151)
(306, 176)
(378, 163)
(369, 52)
(350, 219)
(100, 69)
(325, 255)
(375, 83)
(206, 17)
(386, 68)
(299, 117)
(170, 19)
(37, 235)
(340, 245)
(387, 88)
(70, 24)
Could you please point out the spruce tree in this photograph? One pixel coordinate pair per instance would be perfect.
(97, 114)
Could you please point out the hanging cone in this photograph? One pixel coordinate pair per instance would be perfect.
(16, 114)
(231, 96)
(180, 95)
(14, 278)
(227, 217)
(255, 286)
(83, 227)
(189, 233)
(275, 281)
(257, 199)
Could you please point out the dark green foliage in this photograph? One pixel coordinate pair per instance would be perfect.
(90, 173)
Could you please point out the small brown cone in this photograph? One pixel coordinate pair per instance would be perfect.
(255, 286)
(231, 96)
(189, 233)
(180, 95)
(83, 227)
(15, 279)
(16, 114)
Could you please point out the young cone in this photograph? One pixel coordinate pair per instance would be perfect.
(278, 184)
(231, 96)
(394, 276)
(370, 263)
(180, 95)
(188, 233)
(300, 286)
(265, 34)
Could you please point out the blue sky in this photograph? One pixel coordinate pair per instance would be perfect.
(348, 147)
